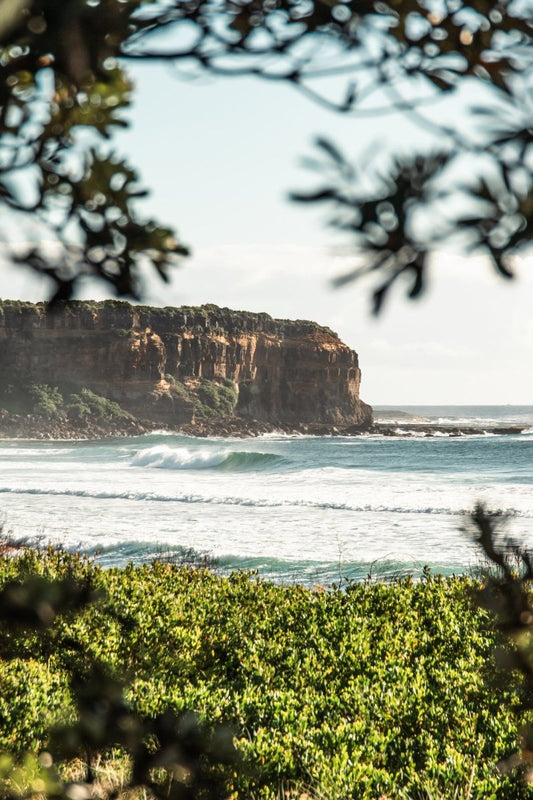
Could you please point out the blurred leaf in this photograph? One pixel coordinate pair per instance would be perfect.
(313, 197)
(331, 150)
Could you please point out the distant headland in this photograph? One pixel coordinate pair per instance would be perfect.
(90, 369)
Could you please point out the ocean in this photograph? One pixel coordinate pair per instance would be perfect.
(315, 510)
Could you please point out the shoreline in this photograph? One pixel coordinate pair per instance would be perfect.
(36, 427)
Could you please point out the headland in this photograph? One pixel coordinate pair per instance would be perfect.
(91, 369)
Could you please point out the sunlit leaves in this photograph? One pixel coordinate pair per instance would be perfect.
(100, 202)
(379, 688)
(48, 663)
(96, 105)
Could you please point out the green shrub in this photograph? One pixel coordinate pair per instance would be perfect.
(181, 390)
(218, 399)
(376, 691)
(33, 698)
(49, 401)
(227, 398)
(46, 400)
(76, 409)
(208, 393)
(210, 399)
(88, 403)
(31, 398)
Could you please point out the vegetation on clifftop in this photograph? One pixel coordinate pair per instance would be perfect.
(209, 317)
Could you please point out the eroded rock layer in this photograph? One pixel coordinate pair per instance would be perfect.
(152, 360)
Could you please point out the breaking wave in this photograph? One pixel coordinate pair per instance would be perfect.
(164, 457)
(252, 502)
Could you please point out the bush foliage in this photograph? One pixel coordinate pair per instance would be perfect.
(376, 691)
(87, 403)
(58, 403)
(210, 399)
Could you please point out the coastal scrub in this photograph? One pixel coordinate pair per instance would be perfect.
(380, 690)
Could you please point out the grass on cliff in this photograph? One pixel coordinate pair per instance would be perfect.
(379, 691)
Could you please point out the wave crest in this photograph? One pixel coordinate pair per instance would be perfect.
(229, 500)
(164, 457)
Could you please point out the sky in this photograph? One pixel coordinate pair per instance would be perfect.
(220, 157)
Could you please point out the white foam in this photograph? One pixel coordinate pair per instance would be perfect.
(160, 432)
(259, 502)
(285, 497)
(164, 457)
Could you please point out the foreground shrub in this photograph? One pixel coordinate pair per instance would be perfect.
(379, 691)
(33, 699)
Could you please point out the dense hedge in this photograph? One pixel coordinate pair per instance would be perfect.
(377, 691)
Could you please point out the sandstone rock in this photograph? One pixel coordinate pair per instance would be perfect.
(285, 372)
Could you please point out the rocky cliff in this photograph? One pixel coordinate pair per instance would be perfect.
(179, 365)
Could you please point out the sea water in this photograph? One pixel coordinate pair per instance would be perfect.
(297, 508)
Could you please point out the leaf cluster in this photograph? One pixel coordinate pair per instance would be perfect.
(443, 41)
(62, 92)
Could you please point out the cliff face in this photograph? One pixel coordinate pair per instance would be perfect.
(142, 357)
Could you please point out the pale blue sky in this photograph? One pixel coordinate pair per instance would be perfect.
(220, 158)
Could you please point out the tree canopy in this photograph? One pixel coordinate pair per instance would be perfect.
(64, 88)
